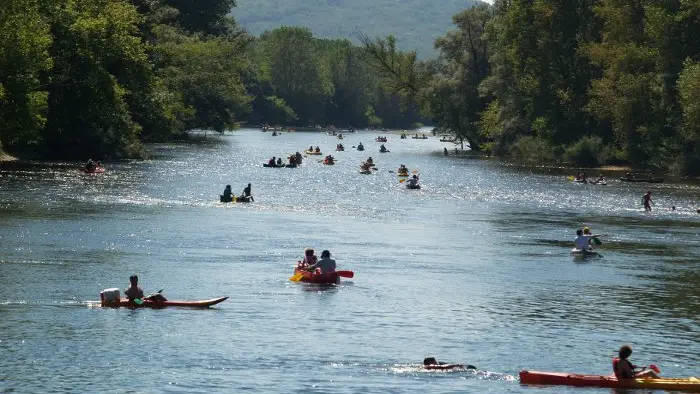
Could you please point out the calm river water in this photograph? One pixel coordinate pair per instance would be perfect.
(473, 268)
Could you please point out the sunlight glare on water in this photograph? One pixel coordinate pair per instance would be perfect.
(473, 268)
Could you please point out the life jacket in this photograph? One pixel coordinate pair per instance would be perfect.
(615, 362)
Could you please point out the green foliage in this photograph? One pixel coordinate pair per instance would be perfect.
(587, 152)
(416, 22)
(531, 150)
(24, 60)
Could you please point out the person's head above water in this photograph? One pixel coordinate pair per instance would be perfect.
(325, 253)
(134, 280)
(429, 361)
(625, 352)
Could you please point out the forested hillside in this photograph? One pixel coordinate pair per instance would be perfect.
(417, 22)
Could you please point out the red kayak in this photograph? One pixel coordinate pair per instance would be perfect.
(124, 302)
(570, 379)
(301, 275)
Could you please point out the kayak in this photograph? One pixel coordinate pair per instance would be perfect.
(309, 152)
(360, 148)
(384, 151)
(403, 174)
(124, 302)
(647, 180)
(339, 149)
(328, 163)
(419, 138)
(567, 379)
(268, 165)
(583, 252)
(96, 170)
(366, 172)
(416, 187)
(381, 140)
(238, 199)
(313, 277)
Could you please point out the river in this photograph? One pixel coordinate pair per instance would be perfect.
(472, 268)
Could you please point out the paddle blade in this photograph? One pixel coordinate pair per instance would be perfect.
(402, 180)
(296, 277)
(346, 274)
(654, 368)
(597, 241)
(570, 177)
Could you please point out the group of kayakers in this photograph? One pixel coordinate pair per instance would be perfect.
(92, 165)
(581, 177)
(312, 263)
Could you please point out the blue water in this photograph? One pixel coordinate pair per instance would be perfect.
(473, 268)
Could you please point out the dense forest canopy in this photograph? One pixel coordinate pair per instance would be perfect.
(417, 22)
(589, 82)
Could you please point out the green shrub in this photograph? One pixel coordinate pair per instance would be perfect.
(587, 152)
(531, 150)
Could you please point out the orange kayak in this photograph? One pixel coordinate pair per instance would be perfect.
(124, 302)
(570, 379)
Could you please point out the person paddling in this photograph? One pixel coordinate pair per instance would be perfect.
(583, 241)
(226, 197)
(624, 369)
(133, 292)
(246, 193)
(432, 363)
(326, 264)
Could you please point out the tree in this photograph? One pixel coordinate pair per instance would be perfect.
(24, 63)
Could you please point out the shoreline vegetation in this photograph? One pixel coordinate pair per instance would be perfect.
(594, 84)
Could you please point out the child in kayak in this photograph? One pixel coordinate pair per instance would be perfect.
(432, 363)
(309, 257)
(133, 291)
(624, 369)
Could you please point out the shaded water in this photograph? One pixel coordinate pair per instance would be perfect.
(473, 268)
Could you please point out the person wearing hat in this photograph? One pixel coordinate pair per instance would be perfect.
(326, 264)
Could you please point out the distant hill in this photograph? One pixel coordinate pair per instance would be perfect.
(415, 23)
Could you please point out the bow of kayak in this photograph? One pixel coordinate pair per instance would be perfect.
(568, 379)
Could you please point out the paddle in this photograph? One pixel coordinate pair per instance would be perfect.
(597, 241)
(296, 277)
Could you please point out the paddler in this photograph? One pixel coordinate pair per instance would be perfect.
(246, 193)
(309, 257)
(298, 158)
(326, 264)
(413, 181)
(227, 194)
(279, 162)
(133, 292)
(624, 369)
(432, 363)
(583, 239)
(370, 161)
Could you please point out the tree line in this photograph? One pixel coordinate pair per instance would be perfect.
(98, 78)
(588, 82)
